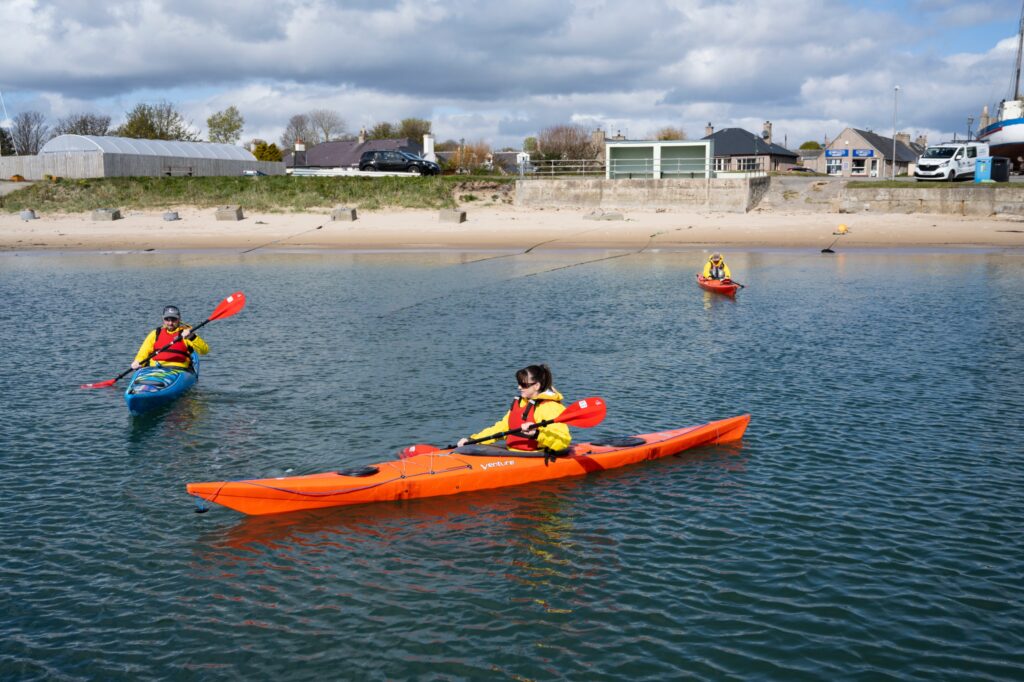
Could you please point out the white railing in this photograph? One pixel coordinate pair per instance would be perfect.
(648, 168)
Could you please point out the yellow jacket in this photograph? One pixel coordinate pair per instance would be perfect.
(193, 342)
(725, 270)
(553, 437)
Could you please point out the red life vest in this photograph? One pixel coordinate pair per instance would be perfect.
(516, 418)
(178, 352)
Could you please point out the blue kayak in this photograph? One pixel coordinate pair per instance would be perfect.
(152, 387)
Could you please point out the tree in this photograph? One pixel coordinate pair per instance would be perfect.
(413, 128)
(328, 124)
(382, 131)
(226, 126)
(160, 121)
(267, 152)
(530, 144)
(670, 133)
(566, 142)
(83, 124)
(6, 143)
(446, 146)
(810, 144)
(29, 132)
(299, 128)
(470, 156)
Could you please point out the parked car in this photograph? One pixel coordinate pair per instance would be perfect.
(950, 161)
(801, 169)
(397, 162)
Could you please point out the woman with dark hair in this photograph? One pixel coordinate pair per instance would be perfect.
(537, 401)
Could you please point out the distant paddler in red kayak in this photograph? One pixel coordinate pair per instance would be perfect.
(716, 268)
(538, 401)
(174, 342)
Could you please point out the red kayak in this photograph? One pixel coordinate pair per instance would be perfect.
(719, 286)
(433, 472)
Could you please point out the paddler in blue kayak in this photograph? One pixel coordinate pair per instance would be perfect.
(716, 268)
(179, 354)
(538, 401)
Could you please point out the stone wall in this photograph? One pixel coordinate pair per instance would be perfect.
(967, 200)
(731, 195)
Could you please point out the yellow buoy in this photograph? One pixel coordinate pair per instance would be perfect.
(842, 229)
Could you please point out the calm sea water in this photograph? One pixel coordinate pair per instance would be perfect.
(867, 527)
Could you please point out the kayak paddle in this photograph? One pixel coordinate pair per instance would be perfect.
(228, 307)
(732, 281)
(582, 414)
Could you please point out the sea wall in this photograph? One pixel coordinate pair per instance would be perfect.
(966, 200)
(730, 195)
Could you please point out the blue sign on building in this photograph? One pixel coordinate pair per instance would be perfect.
(837, 152)
(863, 152)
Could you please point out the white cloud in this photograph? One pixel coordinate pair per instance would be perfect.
(501, 71)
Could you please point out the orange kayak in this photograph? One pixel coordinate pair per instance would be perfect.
(719, 286)
(449, 472)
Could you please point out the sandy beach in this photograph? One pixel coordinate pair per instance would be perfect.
(505, 228)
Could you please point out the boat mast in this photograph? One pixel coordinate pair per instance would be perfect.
(1020, 48)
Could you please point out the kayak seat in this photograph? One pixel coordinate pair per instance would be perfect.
(359, 472)
(619, 441)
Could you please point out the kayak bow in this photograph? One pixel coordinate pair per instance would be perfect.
(152, 387)
(719, 286)
(449, 472)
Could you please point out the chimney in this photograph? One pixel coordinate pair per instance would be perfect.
(362, 135)
(766, 134)
(984, 121)
(708, 130)
(903, 138)
(922, 140)
(299, 157)
(428, 148)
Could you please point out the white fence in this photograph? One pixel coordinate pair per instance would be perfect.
(739, 167)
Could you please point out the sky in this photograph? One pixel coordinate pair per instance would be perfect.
(499, 71)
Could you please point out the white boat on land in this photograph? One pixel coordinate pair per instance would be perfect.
(1005, 133)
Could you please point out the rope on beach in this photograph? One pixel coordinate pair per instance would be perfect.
(297, 234)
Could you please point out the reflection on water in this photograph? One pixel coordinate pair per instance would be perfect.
(882, 388)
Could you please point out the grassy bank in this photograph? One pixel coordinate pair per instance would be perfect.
(265, 193)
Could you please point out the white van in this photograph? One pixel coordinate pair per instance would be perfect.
(950, 161)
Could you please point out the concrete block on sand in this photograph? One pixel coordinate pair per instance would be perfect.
(229, 213)
(106, 214)
(28, 214)
(452, 216)
(601, 215)
(343, 213)
(170, 216)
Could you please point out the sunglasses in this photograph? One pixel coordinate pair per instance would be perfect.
(170, 319)
(527, 385)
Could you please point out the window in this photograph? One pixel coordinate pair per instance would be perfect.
(859, 167)
(721, 164)
(972, 152)
(747, 163)
(834, 166)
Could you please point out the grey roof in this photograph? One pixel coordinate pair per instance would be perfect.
(346, 153)
(740, 142)
(884, 145)
(107, 144)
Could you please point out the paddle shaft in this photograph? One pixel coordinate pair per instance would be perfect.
(496, 436)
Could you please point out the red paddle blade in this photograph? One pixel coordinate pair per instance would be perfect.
(584, 413)
(417, 449)
(229, 306)
(100, 384)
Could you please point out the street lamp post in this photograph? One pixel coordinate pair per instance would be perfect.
(970, 120)
(895, 93)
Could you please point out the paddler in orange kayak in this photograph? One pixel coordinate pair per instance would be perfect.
(716, 268)
(180, 352)
(538, 401)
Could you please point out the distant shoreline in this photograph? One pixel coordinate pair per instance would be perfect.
(505, 228)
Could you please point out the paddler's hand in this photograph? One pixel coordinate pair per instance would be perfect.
(186, 333)
(528, 429)
(136, 364)
(462, 441)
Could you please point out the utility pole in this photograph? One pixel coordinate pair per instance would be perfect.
(895, 97)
